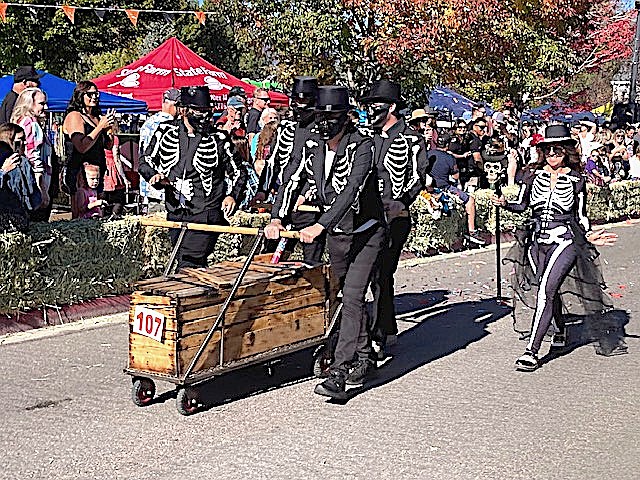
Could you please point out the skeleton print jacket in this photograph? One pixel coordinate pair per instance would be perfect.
(400, 157)
(553, 211)
(202, 168)
(347, 195)
(281, 151)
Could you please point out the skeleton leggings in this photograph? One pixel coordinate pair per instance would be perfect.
(551, 262)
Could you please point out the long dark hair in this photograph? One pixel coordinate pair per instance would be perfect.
(76, 104)
(571, 158)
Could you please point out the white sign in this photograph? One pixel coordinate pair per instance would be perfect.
(148, 322)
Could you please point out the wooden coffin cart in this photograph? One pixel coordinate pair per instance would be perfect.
(189, 327)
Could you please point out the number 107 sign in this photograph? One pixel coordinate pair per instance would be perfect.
(148, 322)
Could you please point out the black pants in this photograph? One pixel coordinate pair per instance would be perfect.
(551, 262)
(312, 252)
(353, 261)
(383, 320)
(196, 246)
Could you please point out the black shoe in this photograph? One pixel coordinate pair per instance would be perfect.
(359, 373)
(333, 387)
(474, 237)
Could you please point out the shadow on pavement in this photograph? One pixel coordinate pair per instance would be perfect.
(439, 331)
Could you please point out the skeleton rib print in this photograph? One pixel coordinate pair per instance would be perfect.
(342, 169)
(546, 202)
(205, 162)
(396, 162)
(167, 149)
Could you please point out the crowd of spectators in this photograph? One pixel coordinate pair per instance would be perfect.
(465, 154)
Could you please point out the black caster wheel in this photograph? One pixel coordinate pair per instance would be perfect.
(142, 391)
(187, 401)
(321, 362)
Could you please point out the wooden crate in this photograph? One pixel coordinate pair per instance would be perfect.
(275, 306)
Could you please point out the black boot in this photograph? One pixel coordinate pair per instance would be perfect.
(333, 387)
(359, 372)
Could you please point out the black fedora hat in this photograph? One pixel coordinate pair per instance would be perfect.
(26, 73)
(557, 134)
(384, 91)
(304, 87)
(195, 97)
(332, 98)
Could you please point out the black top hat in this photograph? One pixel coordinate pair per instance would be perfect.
(494, 151)
(26, 73)
(332, 98)
(384, 91)
(557, 134)
(195, 97)
(304, 87)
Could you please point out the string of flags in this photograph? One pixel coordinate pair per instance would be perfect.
(132, 14)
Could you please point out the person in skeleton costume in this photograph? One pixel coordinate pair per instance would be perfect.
(400, 160)
(201, 176)
(289, 136)
(337, 164)
(555, 269)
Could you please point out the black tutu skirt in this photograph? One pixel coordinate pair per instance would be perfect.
(582, 298)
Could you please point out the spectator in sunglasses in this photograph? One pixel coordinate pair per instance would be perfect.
(260, 102)
(477, 140)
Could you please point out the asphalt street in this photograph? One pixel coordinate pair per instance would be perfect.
(448, 405)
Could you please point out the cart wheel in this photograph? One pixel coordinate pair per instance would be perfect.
(187, 401)
(142, 391)
(321, 362)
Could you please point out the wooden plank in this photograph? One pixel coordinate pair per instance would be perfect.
(145, 284)
(143, 298)
(210, 357)
(208, 278)
(192, 333)
(254, 267)
(266, 339)
(288, 300)
(147, 355)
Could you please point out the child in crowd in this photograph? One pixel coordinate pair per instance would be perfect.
(86, 202)
(596, 167)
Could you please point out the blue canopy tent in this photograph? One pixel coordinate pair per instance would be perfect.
(443, 98)
(59, 92)
(558, 112)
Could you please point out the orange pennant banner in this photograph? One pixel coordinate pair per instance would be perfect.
(70, 12)
(201, 16)
(3, 11)
(133, 16)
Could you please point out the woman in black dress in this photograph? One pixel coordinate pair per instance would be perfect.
(88, 132)
(554, 258)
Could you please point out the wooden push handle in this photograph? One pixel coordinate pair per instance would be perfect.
(158, 222)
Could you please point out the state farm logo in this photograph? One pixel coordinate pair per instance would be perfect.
(130, 81)
(215, 84)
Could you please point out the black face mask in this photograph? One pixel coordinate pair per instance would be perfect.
(378, 115)
(199, 121)
(303, 113)
(329, 126)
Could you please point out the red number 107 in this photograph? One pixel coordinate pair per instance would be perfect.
(147, 322)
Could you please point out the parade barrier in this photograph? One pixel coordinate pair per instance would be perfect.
(68, 262)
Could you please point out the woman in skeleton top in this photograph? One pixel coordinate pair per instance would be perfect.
(554, 258)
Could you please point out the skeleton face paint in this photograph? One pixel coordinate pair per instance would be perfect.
(331, 124)
(378, 113)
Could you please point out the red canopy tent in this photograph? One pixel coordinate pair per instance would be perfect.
(173, 64)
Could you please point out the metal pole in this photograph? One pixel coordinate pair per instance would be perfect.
(634, 65)
(498, 190)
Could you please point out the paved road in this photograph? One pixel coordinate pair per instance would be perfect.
(448, 406)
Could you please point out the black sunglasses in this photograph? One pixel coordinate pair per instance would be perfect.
(92, 94)
(265, 99)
